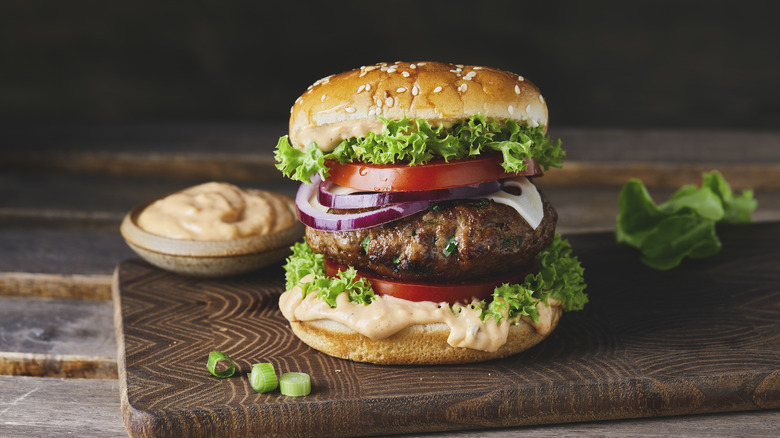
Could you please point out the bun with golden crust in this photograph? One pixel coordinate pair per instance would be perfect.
(350, 104)
(395, 331)
(421, 344)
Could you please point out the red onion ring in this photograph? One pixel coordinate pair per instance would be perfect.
(315, 215)
(327, 198)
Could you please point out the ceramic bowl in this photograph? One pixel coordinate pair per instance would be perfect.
(208, 258)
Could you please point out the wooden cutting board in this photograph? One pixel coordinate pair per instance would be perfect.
(704, 337)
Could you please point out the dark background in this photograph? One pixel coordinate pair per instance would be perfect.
(686, 64)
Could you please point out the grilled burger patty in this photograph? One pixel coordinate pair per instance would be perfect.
(452, 241)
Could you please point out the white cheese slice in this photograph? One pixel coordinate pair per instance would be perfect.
(528, 203)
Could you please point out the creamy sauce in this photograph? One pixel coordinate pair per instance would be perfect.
(329, 136)
(387, 315)
(217, 211)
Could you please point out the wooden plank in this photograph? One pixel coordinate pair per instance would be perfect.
(664, 175)
(57, 338)
(244, 152)
(59, 263)
(48, 199)
(703, 338)
(45, 407)
(40, 285)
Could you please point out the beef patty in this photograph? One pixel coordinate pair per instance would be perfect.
(452, 241)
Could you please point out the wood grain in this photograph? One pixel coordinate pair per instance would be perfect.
(702, 338)
(55, 407)
(48, 407)
(57, 338)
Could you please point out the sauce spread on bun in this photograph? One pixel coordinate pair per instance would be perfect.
(387, 316)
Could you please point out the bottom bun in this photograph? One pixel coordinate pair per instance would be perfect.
(415, 345)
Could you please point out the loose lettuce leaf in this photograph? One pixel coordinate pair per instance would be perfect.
(684, 225)
(416, 142)
(559, 276)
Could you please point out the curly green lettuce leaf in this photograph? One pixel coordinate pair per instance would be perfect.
(416, 142)
(297, 164)
(304, 261)
(684, 225)
(559, 275)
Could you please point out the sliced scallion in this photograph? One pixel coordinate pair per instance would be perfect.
(263, 377)
(451, 246)
(214, 358)
(295, 384)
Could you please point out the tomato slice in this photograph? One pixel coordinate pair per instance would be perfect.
(434, 175)
(452, 293)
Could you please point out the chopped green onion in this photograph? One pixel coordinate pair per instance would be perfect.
(214, 358)
(451, 246)
(364, 243)
(295, 384)
(263, 377)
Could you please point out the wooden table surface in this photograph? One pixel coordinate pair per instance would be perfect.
(64, 189)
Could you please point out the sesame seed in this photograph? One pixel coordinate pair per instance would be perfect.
(422, 63)
(379, 103)
(477, 68)
(372, 111)
(391, 69)
(400, 89)
(463, 88)
(405, 74)
(415, 90)
(378, 111)
(517, 89)
(322, 99)
(511, 109)
(528, 108)
(460, 66)
(470, 75)
(412, 66)
(291, 109)
(437, 89)
(368, 87)
(362, 73)
(389, 101)
(361, 88)
(541, 99)
(349, 109)
(520, 78)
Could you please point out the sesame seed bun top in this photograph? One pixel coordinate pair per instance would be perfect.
(350, 104)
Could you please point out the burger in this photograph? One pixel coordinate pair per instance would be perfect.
(426, 240)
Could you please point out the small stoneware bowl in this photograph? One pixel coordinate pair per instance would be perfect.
(208, 258)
